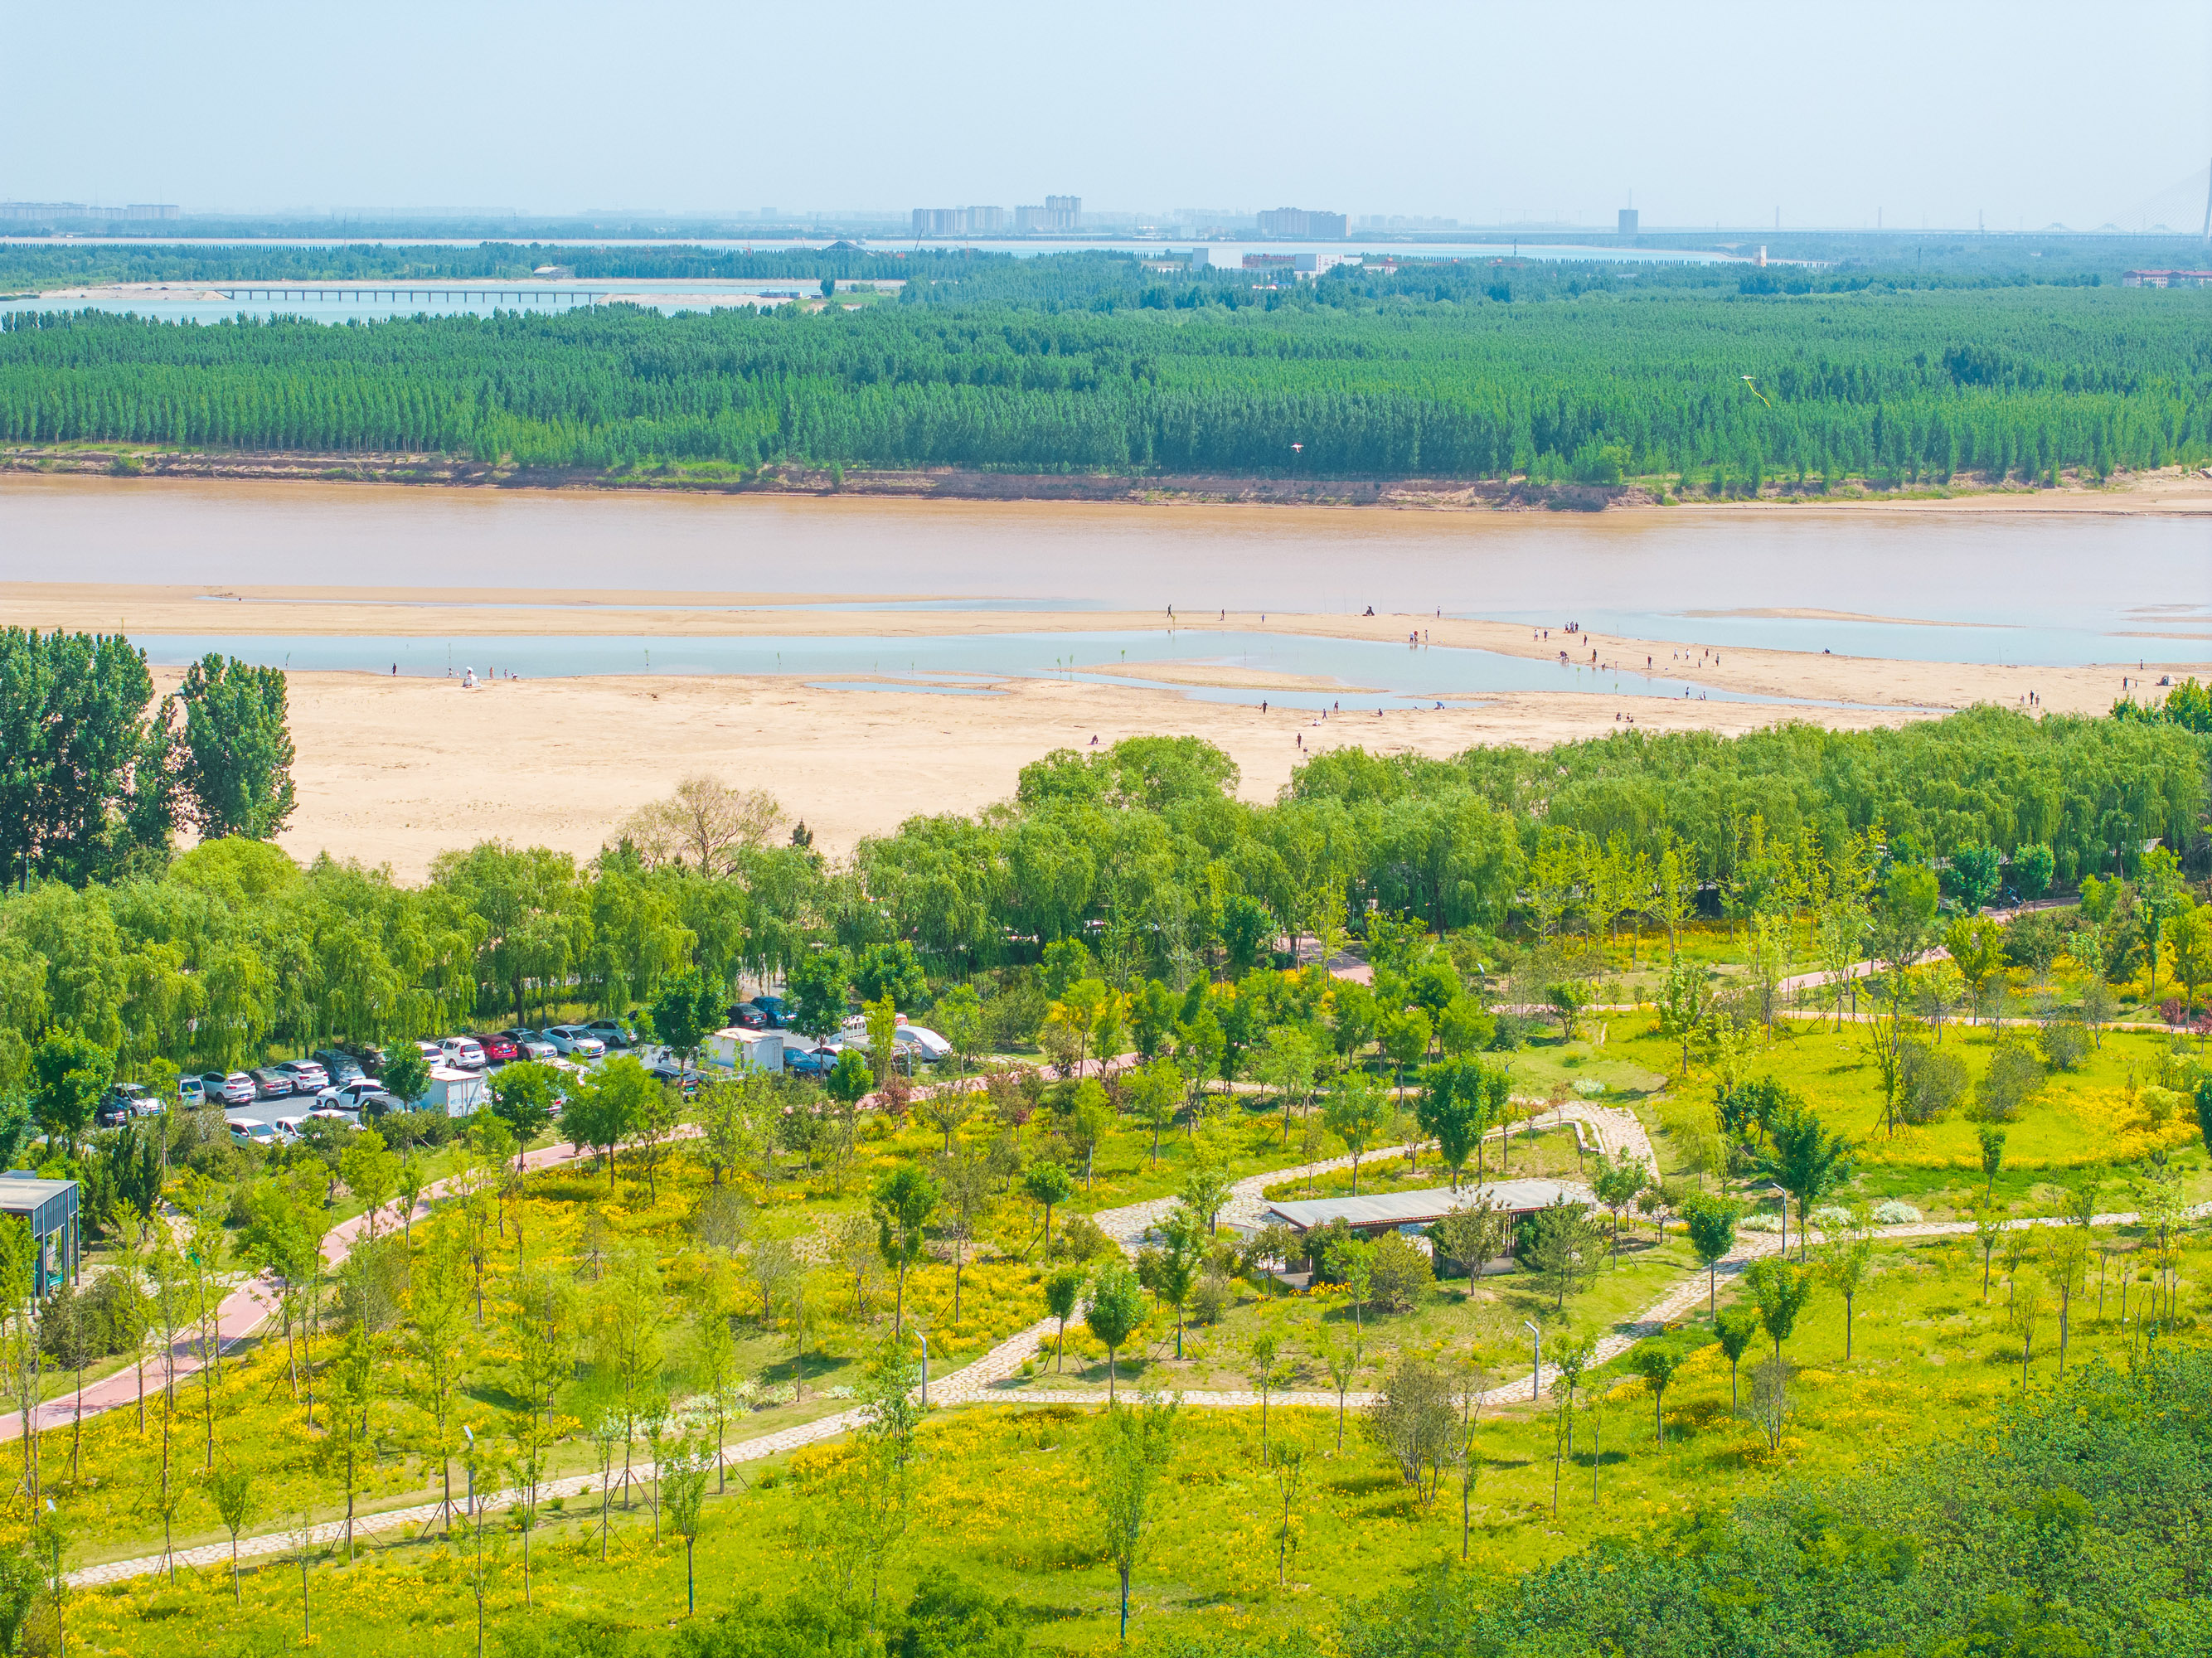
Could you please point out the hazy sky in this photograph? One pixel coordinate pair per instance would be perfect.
(2030, 110)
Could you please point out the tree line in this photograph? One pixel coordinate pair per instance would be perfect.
(994, 369)
(95, 774)
(136, 960)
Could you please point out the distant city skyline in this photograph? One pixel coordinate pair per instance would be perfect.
(1722, 112)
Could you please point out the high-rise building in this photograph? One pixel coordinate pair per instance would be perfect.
(1304, 224)
(959, 222)
(1059, 213)
(1628, 222)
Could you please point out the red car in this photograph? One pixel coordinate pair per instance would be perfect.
(497, 1050)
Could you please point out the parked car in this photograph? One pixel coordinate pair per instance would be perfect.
(127, 1100)
(809, 1062)
(249, 1130)
(685, 1078)
(612, 1033)
(576, 1041)
(191, 1090)
(326, 1114)
(369, 1057)
(271, 1083)
(347, 1097)
(119, 1105)
(498, 1050)
(231, 1088)
(340, 1065)
(288, 1128)
(530, 1044)
(778, 1010)
(307, 1076)
(432, 1053)
(463, 1051)
(745, 1016)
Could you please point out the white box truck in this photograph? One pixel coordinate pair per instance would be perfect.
(735, 1049)
(456, 1093)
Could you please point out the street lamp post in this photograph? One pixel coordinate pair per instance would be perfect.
(1536, 1356)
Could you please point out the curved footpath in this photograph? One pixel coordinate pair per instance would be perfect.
(1613, 1129)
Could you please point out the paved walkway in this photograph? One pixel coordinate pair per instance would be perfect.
(242, 1312)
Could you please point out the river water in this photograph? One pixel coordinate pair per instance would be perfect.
(1994, 587)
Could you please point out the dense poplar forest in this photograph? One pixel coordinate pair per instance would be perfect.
(1698, 375)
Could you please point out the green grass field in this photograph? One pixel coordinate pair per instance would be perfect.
(1001, 1495)
(1001, 1491)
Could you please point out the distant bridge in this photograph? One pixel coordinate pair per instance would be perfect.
(397, 296)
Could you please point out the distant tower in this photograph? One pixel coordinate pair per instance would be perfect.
(1627, 223)
(2207, 205)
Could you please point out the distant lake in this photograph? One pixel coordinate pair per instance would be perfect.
(675, 295)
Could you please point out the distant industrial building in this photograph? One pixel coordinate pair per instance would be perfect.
(1302, 264)
(2165, 278)
(1628, 222)
(136, 212)
(1303, 224)
(1059, 213)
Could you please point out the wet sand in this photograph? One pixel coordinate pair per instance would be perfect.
(463, 613)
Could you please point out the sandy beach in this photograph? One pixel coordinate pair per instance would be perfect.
(395, 771)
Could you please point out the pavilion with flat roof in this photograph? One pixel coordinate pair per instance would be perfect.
(50, 1207)
(1391, 1212)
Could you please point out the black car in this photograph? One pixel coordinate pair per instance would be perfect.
(667, 1071)
(340, 1062)
(745, 1016)
(369, 1058)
